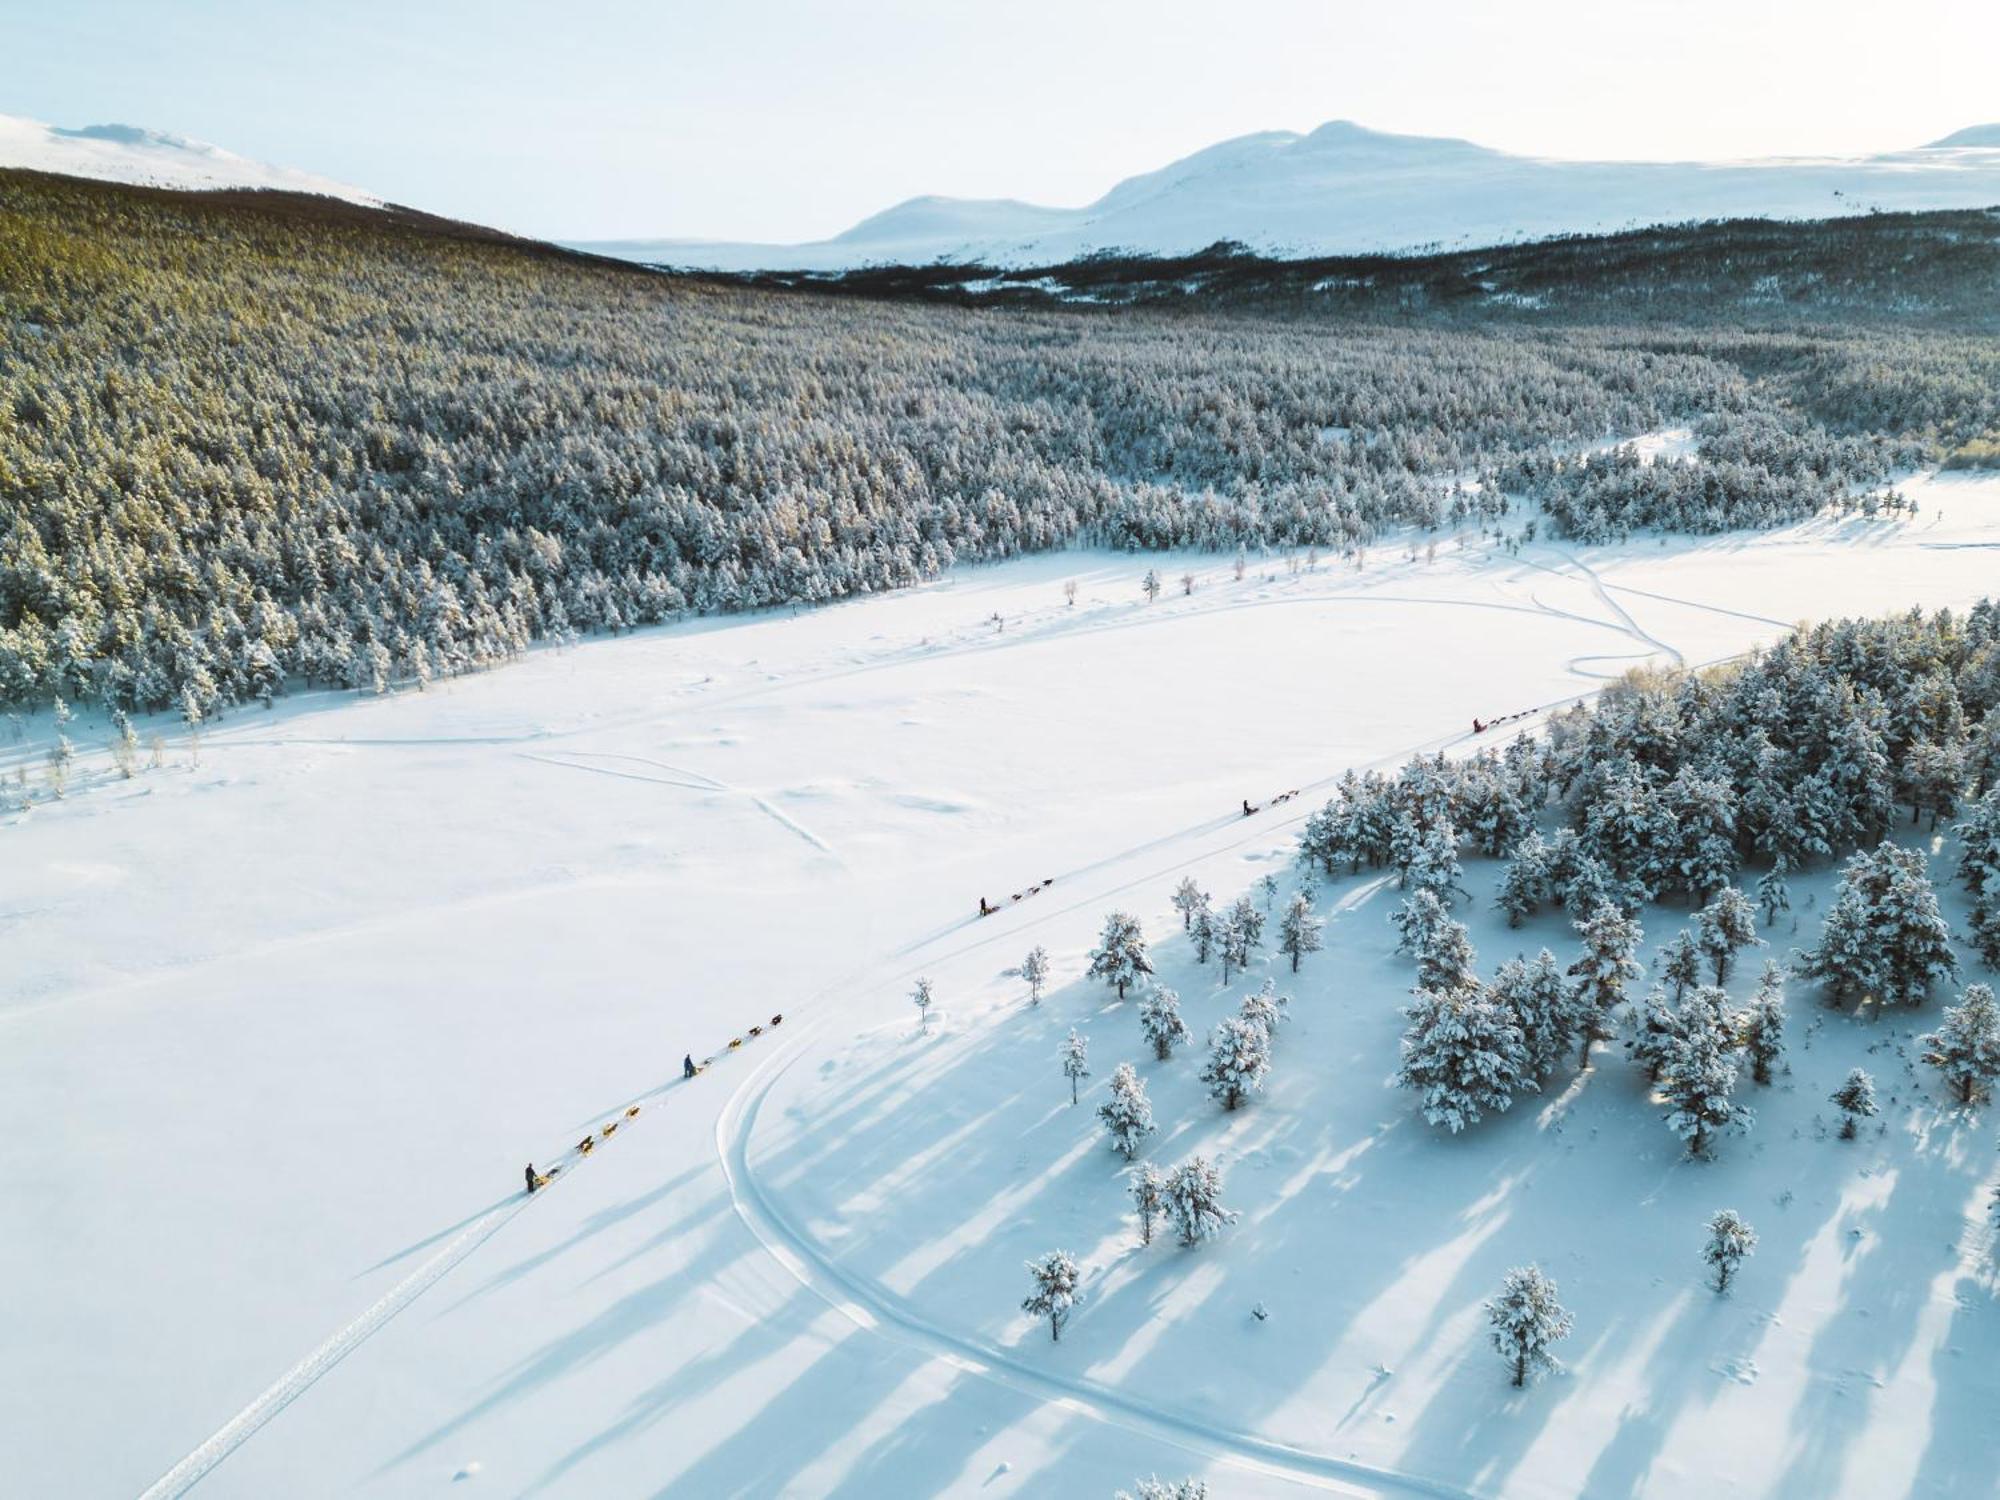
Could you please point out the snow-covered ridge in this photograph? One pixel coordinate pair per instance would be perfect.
(153, 158)
(1343, 189)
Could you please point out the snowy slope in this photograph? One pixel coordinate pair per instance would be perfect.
(1343, 189)
(152, 158)
(280, 1025)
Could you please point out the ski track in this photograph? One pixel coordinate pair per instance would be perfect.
(870, 1308)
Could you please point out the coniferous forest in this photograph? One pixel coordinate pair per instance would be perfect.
(248, 439)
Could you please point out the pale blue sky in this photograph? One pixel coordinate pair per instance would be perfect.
(779, 119)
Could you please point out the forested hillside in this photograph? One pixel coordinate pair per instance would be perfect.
(247, 438)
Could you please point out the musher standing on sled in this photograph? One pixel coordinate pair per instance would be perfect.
(688, 1068)
(533, 1181)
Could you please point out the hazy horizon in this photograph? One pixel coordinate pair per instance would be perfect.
(783, 122)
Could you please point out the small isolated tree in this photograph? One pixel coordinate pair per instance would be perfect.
(1298, 931)
(1193, 1199)
(1056, 1293)
(921, 998)
(1610, 942)
(1729, 1241)
(1773, 894)
(1267, 887)
(1855, 1099)
(1120, 956)
(1148, 1189)
(1151, 584)
(1035, 970)
(1463, 1053)
(1526, 1320)
(1075, 1060)
(1966, 1048)
(1726, 925)
(1763, 1028)
(1160, 1019)
(1189, 898)
(1127, 1114)
(1165, 1489)
(1239, 1056)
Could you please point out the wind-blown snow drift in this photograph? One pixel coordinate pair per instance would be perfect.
(152, 158)
(1346, 190)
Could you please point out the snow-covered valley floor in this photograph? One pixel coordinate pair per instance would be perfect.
(280, 1024)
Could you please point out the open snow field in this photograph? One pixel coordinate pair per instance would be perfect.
(278, 1030)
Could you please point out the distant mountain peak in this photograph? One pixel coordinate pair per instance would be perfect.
(1972, 135)
(152, 158)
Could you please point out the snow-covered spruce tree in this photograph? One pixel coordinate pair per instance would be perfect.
(1418, 920)
(1730, 1240)
(1543, 1006)
(1239, 1057)
(1725, 926)
(921, 998)
(1966, 1048)
(1189, 898)
(1447, 961)
(1120, 958)
(1699, 1079)
(1056, 1293)
(1855, 1099)
(1160, 1020)
(1883, 937)
(1148, 1188)
(1127, 1114)
(1762, 1027)
(1610, 941)
(1773, 894)
(1156, 1488)
(1193, 1199)
(1035, 970)
(1075, 1056)
(1678, 964)
(1463, 1053)
(1298, 931)
(1526, 1320)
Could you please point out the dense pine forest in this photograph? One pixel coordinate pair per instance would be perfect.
(246, 439)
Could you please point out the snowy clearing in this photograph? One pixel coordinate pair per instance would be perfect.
(284, 1025)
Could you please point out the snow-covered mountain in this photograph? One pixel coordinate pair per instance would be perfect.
(1343, 189)
(152, 158)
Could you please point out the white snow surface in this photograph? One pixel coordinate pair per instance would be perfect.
(279, 1027)
(153, 158)
(1346, 190)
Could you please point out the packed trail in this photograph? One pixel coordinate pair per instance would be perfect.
(763, 833)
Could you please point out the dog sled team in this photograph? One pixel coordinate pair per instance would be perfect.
(1250, 808)
(1480, 726)
(987, 908)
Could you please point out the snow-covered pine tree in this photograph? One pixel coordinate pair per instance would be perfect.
(1035, 970)
(1773, 894)
(1448, 962)
(1524, 884)
(1699, 1079)
(1204, 929)
(1298, 931)
(1056, 1294)
(1463, 1052)
(1148, 1188)
(1160, 1020)
(1542, 1005)
(1655, 1026)
(1418, 920)
(1189, 898)
(1679, 964)
(1846, 962)
(1239, 1057)
(1979, 865)
(1156, 1488)
(1433, 862)
(1151, 584)
(921, 998)
(1127, 1114)
(1966, 1048)
(1267, 887)
(1193, 1199)
(1120, 957)
(1729, 1241)
(1855, 1099)
(1762, 1028)
(1610, 941)
(1915, 938)
(1526, 1320)
(1266, 1008)
(1251, 920)
(1075, 1056)
(1726, 925)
